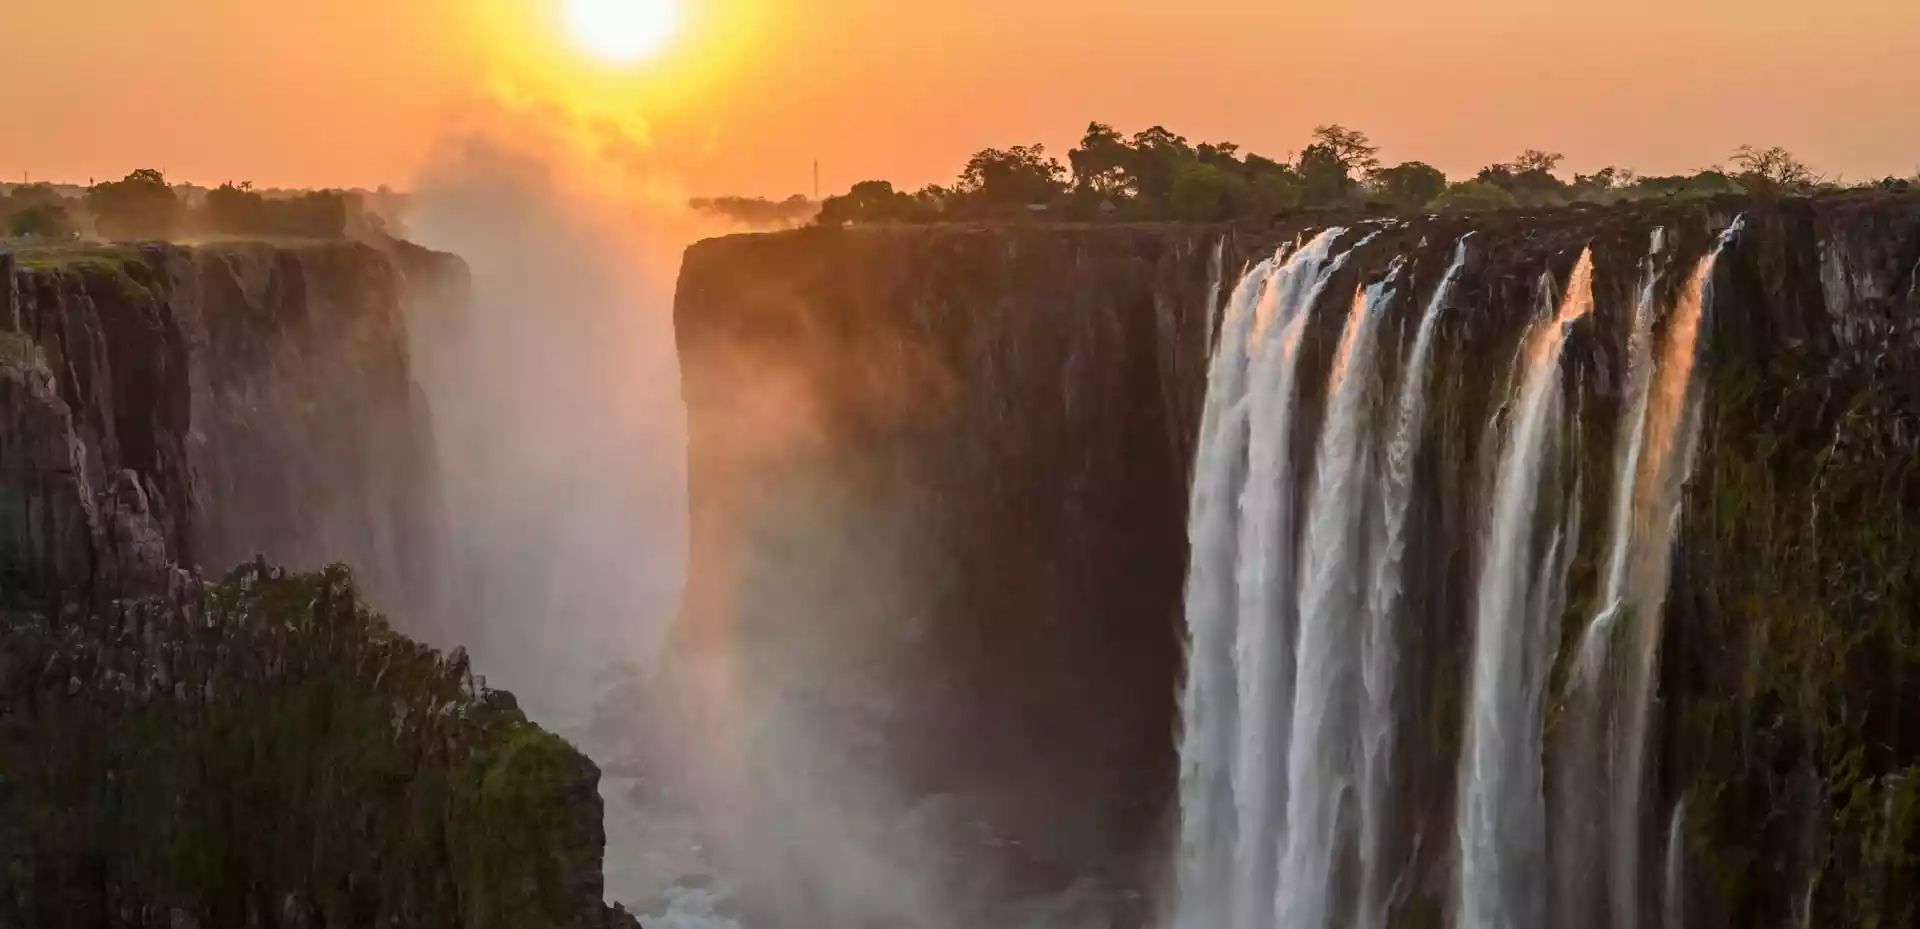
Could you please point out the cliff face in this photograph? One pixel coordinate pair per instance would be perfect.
(267, 752)
(197, 406)
(992, 431)
(264, 751)
(946, 468)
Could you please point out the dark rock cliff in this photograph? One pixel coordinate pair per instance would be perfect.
(264, 751)
(948, 467)
(965, 453)
(215, 403)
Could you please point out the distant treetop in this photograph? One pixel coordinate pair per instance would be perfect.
(144, 206)
(1157, 174)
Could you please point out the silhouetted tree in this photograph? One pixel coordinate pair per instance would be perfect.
(1324, 176)
(1158, 155)
(1529, 187)
(1409, 186)
(1103, 164)
(140, 206)
(37, 211)
(1206, 193)
(995, 180)
(1534, 159)
(41, 221)
(1350, 147)
(868, 201)
(316, 214)
(235, 209)
(1772, 171)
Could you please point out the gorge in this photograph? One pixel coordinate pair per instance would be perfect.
(261, 749)
(1544, 568)
(1502, 569)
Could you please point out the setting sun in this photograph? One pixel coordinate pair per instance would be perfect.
(622, 30)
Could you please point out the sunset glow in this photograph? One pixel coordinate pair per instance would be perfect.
(744, 96)
(622, 31)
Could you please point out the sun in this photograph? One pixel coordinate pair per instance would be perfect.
(622, 31)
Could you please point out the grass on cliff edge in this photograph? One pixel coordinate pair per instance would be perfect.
(67, 254)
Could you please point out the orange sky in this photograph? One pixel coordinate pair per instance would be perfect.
(356, 92)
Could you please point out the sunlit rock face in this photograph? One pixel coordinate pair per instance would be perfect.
(940, 485)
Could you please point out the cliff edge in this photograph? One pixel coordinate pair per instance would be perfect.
(263, 750)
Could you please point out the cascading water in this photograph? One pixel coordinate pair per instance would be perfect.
(1292, 814)
(1230, 665)
(1578, 844)
(1672, 432)
(1502, 832)
(1264, 653)
(1207, 704)
(1380, 648)
(1673, 899)
(1322, 763)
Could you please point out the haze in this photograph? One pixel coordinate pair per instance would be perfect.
(356, 92)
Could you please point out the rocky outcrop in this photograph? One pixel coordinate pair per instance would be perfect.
(953, 462)
(265, 751)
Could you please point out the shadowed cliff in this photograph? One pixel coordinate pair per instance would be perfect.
(263, 751)
(950, 465)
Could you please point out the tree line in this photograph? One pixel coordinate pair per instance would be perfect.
(1156, 174)
(144, 206)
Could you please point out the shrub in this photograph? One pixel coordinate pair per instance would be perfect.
(1473, 195)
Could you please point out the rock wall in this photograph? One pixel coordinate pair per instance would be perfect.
(952, 463)
(202, 405)
(937, 480)
(264, 751)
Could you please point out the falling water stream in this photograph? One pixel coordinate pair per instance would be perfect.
(1322, 764)
(1292, 813)
(1501, 830)
(1380, 648)
(1264, 656)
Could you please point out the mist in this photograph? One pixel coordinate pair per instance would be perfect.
(744, 785)
(558, 426)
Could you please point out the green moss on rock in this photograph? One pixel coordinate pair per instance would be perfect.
(267, 751)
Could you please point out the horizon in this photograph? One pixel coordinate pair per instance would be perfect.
(361, 95)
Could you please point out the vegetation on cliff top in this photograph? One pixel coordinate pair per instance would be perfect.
(143, 206)
(1158, 175)
(267, 751)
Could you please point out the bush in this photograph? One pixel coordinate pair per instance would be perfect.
(1473, 195)
(140, 206)
(236, 209)
(270, 745)
(47, 221)
(1409, 186)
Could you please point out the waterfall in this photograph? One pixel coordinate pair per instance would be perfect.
(1501, 831)
(1673, 899)
(1207, 706)
(1264, 658)
(1579, 795)
(1321, 765)
(1297, 623)
(1380, 647)
(1672, 432)
(1240, 670)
